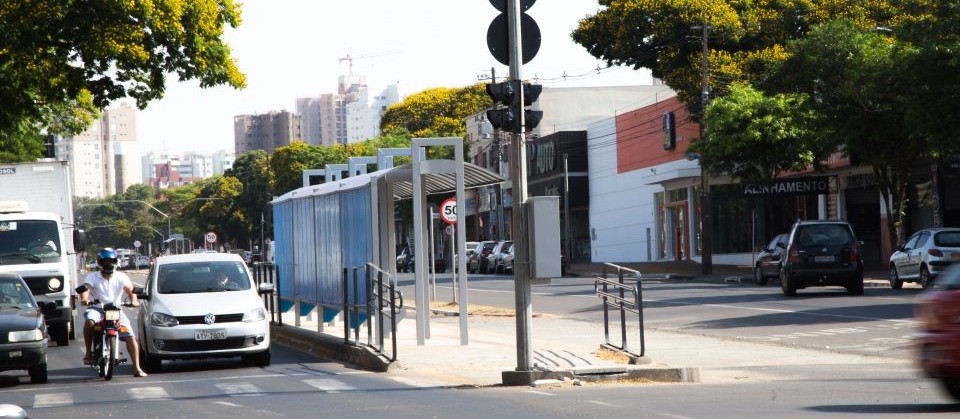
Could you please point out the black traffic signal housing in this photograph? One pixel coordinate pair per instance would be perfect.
(49, 147)
(508, 93)
(669, 131)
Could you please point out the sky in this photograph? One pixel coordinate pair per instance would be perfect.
(291, 49)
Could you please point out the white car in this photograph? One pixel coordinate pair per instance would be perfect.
(202, 305)
(923, 256)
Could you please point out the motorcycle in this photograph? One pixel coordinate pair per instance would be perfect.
(106, 339)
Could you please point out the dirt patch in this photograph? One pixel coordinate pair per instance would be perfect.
(611, 355)
(452, 308)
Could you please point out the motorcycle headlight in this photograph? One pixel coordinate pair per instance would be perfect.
(25, 336)
(255, 315)
(163, 320)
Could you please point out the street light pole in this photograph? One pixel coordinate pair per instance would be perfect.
(153, 208)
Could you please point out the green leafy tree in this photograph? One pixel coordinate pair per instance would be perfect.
(288, 163)
(62, 60)
(216, 210)
(756, 137)
(252, 170)
(745, 37)
(437, 112)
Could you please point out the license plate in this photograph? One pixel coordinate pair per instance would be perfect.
(210, 334)
(828, 258)
(16, 354)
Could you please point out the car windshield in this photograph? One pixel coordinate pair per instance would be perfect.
(823, 235)
(13, 294)
(206, 276)
(947, 239)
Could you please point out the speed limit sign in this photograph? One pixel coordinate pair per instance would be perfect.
(211, 237)
(448, 211)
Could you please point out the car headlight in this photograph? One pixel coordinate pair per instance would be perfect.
(25, 336)
(163, 320)
(54, 284)
(255, 315)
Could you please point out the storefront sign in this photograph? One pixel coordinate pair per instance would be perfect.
(792, 186)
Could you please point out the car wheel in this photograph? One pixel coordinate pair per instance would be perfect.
(758, 276)
(952, 386)
(856, 288)
(925, 280)
(895, 281)
(150, 363)
(73, 330)
(789, 287)
(38, 373)
(260, 359)
(60, 333)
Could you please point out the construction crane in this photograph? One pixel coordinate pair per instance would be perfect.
(349, 58)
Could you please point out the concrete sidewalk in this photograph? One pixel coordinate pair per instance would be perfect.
(564, 350)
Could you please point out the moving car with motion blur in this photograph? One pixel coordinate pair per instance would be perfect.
(202, 305)
(937, 342)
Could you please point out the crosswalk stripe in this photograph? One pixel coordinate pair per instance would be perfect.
(240, 389)
(407, 381)
(328, 385)
(148, 393)
(52, 399)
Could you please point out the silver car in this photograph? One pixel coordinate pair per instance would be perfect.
(924, 255)
(202, 305)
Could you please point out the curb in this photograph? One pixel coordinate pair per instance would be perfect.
(327, 346)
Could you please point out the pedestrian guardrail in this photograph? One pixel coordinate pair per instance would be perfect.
(383, 302)
(266, 272)
(615, 292)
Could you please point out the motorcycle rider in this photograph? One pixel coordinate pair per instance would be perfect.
(108, 286)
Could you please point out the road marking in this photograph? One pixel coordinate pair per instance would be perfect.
(227, 404)
(541, 393)
(329, 386)
(148, 393)
(407, 381)
(52, 400)
(602, 403)
(240, 389)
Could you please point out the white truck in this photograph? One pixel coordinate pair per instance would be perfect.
(36, 219)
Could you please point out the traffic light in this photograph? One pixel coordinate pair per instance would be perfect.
(49, 148)
(508, 94)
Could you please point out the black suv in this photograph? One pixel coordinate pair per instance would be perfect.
(822, 253)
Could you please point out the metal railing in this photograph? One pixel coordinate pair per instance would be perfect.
(383, 299)
(618, 298)
(265, 272)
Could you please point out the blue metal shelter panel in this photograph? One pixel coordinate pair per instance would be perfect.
(357, 218)
(328, 250)
(283, 250)
(303, 245)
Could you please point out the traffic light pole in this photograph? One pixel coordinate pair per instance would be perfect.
(518, 172)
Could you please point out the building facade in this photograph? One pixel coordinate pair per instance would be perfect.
(104, 159)
(349, 116)
(265, 131)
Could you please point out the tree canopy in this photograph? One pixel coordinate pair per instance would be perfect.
(437, 112)
(60, 61)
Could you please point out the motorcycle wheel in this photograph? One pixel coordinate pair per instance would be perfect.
(111, 357)
(98, 355)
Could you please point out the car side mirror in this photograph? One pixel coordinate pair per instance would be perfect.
(265, 288)
(140, 292)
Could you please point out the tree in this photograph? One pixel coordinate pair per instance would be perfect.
(288, 163)
(252, 170)
(216, 209)
(437, 112)
(745, 38)
(62, 60)
(756, 137)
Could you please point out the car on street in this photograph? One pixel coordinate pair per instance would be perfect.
(822, 253)
(202, 305)
(937, 342)
(495, 258)
(923, 256)
(478, 260)
(768, 261)
(24, 341)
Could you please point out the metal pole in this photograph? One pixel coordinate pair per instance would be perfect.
(706, 229)
(521, 265)
(567, 221)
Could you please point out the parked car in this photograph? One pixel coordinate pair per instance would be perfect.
(937, 342)
(924, 256)
(769, 259)
(507, 261)
(822, 253)
(471, 248)
(402, 259)
(24, 346)
(202, 305)
(495, 258)
(478, 260)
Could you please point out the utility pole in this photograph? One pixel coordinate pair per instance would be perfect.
(706, 227)
(567, 221)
